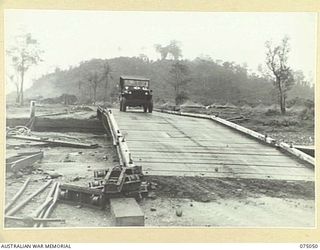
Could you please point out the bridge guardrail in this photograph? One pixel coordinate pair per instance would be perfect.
(119, 141)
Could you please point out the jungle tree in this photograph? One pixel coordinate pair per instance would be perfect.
(277, 63)
(24, 54)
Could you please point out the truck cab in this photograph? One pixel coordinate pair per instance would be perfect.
(135, 92)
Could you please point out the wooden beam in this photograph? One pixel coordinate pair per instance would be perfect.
(23, 160)
(306, 149)
(24, 202)
(17, 195)
(126, 212)
(54, 141)
(41, 209)
(31, 220)
(53, 204)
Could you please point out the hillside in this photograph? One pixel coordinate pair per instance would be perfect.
(210, 82)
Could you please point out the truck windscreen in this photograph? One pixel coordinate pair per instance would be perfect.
(136, 83)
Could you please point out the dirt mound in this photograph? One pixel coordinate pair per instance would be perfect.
(273, 107)
(246, 106)
(297, 107)
(261, 107)
(204, 190)
(81, 108)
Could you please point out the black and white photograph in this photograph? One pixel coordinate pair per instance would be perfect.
(159, 119)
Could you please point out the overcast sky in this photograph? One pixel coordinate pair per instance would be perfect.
(69, 37)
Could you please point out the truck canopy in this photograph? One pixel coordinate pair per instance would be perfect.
(136, 78)
(134, 81)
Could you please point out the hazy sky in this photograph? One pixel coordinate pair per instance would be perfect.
(69, 37)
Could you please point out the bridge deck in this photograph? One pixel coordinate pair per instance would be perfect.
(172, 145)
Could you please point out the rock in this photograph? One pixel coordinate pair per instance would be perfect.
(105, 157)
(179, 212)
(67, 159)
(28, 220)
(74, 154)
(152, 195)
(180, 193)
(204, 198)
(153, 209)
(16, 148)
(216, 169)
(78, 206)
(152, 187)
(18, 175)
(89, 167)
(54, 175)
(76, 178)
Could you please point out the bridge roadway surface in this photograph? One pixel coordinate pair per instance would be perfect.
(170, 145)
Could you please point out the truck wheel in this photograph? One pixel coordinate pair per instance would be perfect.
(145, 107)
(121, 105)
(150, 107)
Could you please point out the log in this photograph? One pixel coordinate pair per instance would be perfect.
(17, 195)
(54, 201)
(24, 202)
(40, 211)
(30, 220)
(41, 207)
(48, 199)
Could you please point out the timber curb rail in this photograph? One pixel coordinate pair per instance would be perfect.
(263, 138)
(119, 141)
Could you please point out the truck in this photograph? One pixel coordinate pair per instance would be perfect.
(135, 92)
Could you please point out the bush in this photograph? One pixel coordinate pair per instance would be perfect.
(307, 114)
(271, 112)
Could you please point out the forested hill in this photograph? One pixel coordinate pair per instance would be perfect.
(208, 82)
